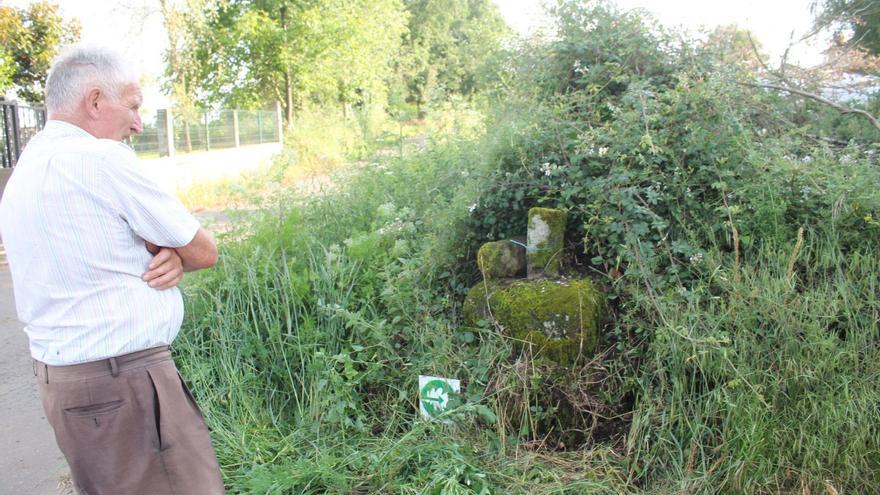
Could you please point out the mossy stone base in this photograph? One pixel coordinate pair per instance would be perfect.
(545, 238)
(501, 259)
(559, 318)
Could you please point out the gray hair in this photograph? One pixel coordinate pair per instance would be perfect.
(80, 67)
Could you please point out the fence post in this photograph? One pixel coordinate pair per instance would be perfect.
(169, 132)
(260, 125)
(16, 138)
(7, 137)
(235, 128)
(207, 134)
(279, 121)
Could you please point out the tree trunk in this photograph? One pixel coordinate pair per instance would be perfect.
(189, 143)
(288, 105)
(288, 82)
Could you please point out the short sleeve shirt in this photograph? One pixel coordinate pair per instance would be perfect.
(73, 218)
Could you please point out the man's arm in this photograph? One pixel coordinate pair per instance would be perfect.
(168, 264)
(200, 253)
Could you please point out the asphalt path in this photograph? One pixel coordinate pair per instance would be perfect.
(30, 462)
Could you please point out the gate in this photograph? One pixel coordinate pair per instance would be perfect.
(18, 124)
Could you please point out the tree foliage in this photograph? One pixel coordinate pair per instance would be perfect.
(855, 21)
(6, 69)
(249, 53)
(295, 51)
(30, 38)
(732, 46)
(449, 46)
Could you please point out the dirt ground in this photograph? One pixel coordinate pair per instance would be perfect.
(30, 462)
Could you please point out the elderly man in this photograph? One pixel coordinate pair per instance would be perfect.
(96, 251)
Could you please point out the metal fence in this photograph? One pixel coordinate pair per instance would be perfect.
(258, 127)
(220, 129)
(18, 124)
(163, 136)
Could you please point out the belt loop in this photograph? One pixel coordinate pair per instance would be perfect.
(114, 368)
(46, 372)
(34, 366)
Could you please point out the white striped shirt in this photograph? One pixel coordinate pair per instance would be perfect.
(73, 219)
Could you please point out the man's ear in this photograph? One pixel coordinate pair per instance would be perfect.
(93, 101)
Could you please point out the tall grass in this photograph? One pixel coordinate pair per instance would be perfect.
(305, 343)
(768, 384)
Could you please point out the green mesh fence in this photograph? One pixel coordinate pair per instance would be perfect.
(206, 131)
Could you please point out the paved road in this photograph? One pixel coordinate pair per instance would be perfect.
(30, 462)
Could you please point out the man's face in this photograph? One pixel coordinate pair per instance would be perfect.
(120, 118)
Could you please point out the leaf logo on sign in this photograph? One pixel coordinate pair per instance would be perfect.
(435, 397)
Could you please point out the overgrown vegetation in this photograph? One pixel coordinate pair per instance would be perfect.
(738, 245)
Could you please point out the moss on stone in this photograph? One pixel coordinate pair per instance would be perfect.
(557, 319)
(501, 259)
(476, 302)
(474, 308)
(546, 234)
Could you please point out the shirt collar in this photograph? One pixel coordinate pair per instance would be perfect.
(62, 128)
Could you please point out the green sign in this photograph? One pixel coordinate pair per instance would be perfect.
(436, 395)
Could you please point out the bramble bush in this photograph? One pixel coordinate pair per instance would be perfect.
(678, 175)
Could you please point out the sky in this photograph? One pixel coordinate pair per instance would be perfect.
(135, 26)
(774, 22)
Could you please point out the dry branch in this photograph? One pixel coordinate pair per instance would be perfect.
(806, 94)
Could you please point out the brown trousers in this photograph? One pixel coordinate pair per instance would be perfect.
(129, 426)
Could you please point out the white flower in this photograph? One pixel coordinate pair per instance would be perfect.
(603, 151)
(696, 258)
(472, 207)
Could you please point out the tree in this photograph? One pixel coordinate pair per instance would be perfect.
(732, 46)
(184, 22)
(6, 69)
(254, 52)
(31, 38)
(369, 41)
(855, 21)
(448, 47)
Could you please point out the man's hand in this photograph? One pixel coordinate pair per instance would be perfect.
(165, 270)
